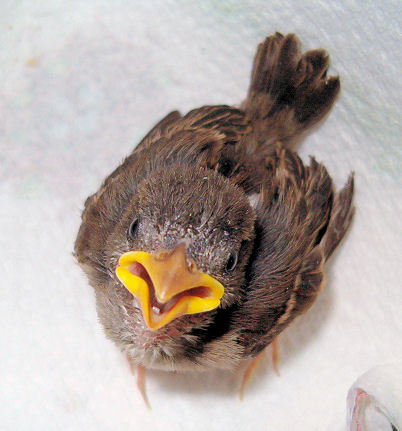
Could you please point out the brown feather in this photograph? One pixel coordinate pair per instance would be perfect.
(289, 92)
(218, 179)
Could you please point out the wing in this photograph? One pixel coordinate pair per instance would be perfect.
(300, 222)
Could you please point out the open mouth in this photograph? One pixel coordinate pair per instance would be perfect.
(165, 288)
(158, 307)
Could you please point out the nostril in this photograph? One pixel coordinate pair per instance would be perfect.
(192, 267)
(161, 255)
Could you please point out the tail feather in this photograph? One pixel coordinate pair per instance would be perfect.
(289, 91)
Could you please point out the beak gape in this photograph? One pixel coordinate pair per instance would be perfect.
(166, 286)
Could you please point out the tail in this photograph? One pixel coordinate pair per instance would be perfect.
(289, 92)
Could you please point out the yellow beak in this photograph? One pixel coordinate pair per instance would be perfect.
(166, 285)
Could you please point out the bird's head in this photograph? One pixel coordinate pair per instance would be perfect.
(183, 243)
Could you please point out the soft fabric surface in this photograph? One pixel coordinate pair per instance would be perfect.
(81, 82)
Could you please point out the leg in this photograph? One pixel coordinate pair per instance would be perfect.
(141, 373)
(275, 355)
(252, 366)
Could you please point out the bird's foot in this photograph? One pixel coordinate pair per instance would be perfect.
(275, 355)
(252, 366)
(141, 374)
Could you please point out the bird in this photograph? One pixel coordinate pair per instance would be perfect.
(211, 237)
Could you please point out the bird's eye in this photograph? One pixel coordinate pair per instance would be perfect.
(232, 261)
(132, 229)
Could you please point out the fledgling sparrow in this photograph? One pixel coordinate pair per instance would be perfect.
(211, 236)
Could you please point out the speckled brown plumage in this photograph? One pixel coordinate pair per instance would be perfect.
(223, 180)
